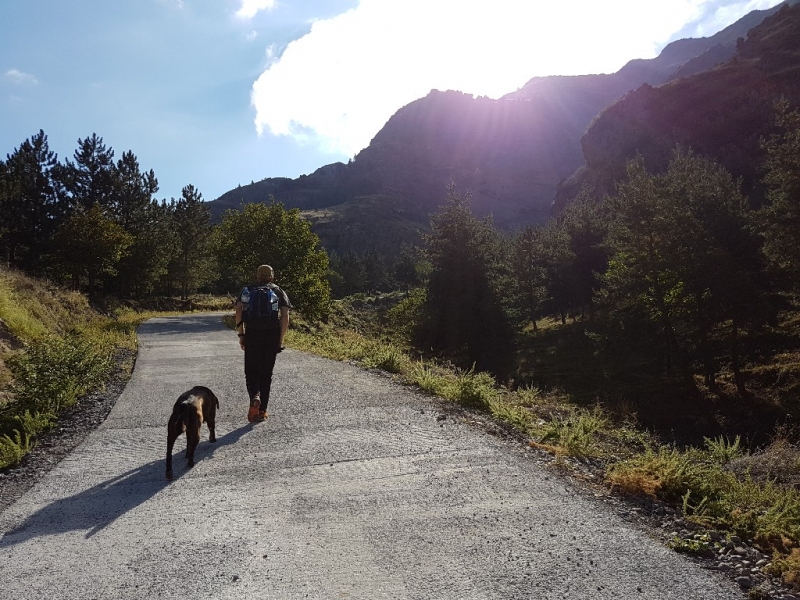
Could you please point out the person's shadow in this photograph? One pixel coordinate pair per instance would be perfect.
(101, 505)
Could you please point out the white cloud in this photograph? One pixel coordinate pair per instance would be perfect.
(722, 16)
(340, 83)
(20, 78)
(179, 4)
(250, 8)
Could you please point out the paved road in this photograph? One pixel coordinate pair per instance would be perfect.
(351, 489)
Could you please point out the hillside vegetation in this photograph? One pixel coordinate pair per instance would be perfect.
(654, 332)
(54, 349)
(613, 419)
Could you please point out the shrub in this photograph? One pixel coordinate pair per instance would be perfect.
(389, 359)
(402, 318)
(475, 390)
(427, 379)
(54, 372)
(575, 433)
(667, 473)
(12, 451)
(722, 450)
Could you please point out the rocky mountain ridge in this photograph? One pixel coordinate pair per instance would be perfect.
(511, 153)
(724, 113)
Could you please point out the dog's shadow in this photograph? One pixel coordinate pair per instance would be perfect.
(99, 506)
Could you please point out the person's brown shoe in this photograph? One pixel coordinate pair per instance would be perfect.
(252, 413)
(262, 416)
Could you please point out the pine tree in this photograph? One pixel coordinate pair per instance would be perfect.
(192, 262)
(29, 203)
(90, 179)
(465, 307)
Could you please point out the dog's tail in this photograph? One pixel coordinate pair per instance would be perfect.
(183, 413)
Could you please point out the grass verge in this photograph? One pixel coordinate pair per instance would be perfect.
(56, 348)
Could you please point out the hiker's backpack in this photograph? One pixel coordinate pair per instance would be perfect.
(260, 307)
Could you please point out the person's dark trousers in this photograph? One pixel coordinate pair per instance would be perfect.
(260, 351)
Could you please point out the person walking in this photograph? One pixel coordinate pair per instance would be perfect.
(262, 319)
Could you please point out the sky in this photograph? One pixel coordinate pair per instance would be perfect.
(219, 93)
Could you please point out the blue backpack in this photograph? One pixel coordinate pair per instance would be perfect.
(260, 307)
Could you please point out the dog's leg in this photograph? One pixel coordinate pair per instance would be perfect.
(173, 431)
(192, 437)
(211, 418)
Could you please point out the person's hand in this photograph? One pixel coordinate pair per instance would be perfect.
(241, 342)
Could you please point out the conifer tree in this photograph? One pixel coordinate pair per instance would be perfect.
(90, 179)
(465, 307)
(29, 202)
(781, 218)
(192, 263)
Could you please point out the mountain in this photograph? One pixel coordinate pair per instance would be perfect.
(723, 113)
(511, 153)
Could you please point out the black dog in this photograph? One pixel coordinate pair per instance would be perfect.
(191, 409)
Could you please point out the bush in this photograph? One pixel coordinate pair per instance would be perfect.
(389, 359)
(475, 390)
(13, 450)
(403, 317)
(576, 432)
(54, 372)
(427, 379)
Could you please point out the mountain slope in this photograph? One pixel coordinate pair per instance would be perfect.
(511, 153)
(723, 113)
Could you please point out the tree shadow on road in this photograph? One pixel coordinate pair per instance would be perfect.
(97, 507)
(179, 325)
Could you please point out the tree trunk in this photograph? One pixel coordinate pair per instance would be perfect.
(735, 364)
(707, 357)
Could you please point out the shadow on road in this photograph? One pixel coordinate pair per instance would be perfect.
(99, 506)
(194, 323)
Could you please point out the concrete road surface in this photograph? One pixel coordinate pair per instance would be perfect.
(351, 489)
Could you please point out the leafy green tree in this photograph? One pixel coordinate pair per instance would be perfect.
(90, 245)
(377, 272)
(465, 304)
(29, 202)
(781, 218)
(686, 256)
(192, 263)
(147, 261)
(269, 234)
(350, 276)
(412, 268)
(8, 191)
